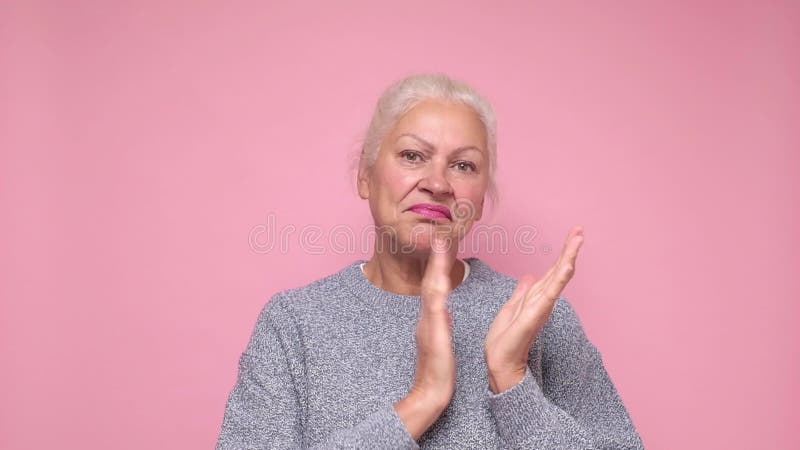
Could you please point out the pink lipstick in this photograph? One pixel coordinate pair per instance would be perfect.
(431, 211)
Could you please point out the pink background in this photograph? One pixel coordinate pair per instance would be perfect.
(142, 143)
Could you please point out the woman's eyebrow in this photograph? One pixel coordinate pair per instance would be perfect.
(431, 146)
(412, 135)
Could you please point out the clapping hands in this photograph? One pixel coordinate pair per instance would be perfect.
(507, 343)
(524, 314)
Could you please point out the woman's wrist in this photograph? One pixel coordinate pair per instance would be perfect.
(501, 381)
(418, 413)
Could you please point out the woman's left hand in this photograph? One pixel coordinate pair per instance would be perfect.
(524, 314)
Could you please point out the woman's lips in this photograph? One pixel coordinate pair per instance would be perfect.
(431, 211)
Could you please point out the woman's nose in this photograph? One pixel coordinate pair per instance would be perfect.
(436, 183)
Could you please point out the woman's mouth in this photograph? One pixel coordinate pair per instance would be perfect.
(431, 211)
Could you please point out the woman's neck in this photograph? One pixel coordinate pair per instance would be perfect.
(403, 274)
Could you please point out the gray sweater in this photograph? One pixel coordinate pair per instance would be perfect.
(327, 361)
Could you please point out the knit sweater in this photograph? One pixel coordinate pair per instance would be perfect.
(327, 361)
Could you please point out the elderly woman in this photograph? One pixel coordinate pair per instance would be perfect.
(417, 348)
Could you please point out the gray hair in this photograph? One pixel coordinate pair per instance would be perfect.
(403, 95)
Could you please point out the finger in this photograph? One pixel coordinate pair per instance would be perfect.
(532, 311)
(566, 251)
(571, 244)
(536, 289)
(567, 257)
(436, 283)
(576, 231)
(554, 289)
(549, 274)
(564, 270)
(523, 285)
(570, 254)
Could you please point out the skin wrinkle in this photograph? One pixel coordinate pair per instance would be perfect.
(431, 146)
(392, 185)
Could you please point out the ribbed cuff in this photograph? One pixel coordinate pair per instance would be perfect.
(397, 435)
(518, 411)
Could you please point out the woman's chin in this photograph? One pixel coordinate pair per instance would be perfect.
(422, 246)
(416, 239)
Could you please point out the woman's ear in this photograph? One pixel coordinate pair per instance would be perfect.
(480, 211)
(363, 181)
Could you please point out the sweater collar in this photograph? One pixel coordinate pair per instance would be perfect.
(358, 283)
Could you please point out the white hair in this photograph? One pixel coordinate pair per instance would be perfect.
(403, 95)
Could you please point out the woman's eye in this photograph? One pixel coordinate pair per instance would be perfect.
(411, 156)
(465, 166)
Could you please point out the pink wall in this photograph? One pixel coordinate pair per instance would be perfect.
(142, 144)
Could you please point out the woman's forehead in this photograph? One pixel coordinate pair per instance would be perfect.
(437, 122)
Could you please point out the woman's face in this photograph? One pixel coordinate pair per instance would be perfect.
(430, 176)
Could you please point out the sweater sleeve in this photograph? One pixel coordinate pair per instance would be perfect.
(265, 407)
(577, 405)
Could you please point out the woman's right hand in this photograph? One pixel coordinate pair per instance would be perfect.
(435, 375)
